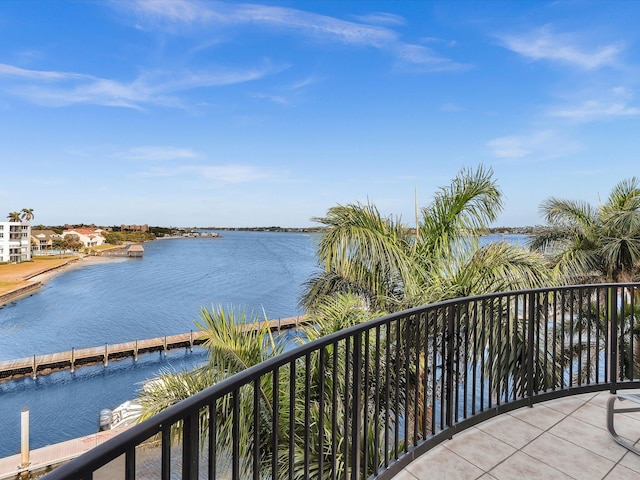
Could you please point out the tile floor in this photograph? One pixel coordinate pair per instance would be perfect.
(559, 439)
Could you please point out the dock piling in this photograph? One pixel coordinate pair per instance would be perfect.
(73, 360)
(34, 367)
(106, 354)
(135, 352)
(24, 437)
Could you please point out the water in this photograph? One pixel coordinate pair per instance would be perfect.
(127, 299)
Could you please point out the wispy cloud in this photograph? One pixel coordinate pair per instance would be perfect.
(451, 107)
(572, 49)
(601, 105)
(223, 174)
(157, 153)
(381, 18)
(541, 145)
(13, 71)
(371, 31)
(595, 110)
(52, 88)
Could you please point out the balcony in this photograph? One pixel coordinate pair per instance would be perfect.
(404, 394)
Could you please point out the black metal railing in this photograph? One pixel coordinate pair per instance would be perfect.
(364, 402)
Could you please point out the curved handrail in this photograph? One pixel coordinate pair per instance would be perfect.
(388, 390)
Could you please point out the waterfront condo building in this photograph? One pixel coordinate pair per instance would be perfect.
(15, 241)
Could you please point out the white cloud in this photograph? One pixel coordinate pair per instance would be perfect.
(322, 28)
(595, 110)
(166, 10)
(222, 174)
(451, 107)
(157, 153)
(607, 104)
(381, 18)
(13, 71)
(542, 44)
(542, 145)
(61, 88)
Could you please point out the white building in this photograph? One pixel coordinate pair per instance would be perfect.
(15, 241)
(89, 237)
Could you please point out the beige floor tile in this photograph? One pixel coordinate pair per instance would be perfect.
(405, 475)
(510, 430)
(622, 473)
(524, 467)
(487, 476)
(539, 416)
(592, 414)
(480, 448)
(631, 461)
(442, 464)
(588, 436)
(600, 399)
(567, 457)
(565, 405)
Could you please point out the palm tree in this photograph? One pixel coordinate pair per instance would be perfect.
(391, 268)
(598, 244)
(233, 347)
(14, 217)
(27, 214)
(589, 243)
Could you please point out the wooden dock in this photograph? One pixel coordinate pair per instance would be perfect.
(70, 360)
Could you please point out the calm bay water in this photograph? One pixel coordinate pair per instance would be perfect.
(128, 299)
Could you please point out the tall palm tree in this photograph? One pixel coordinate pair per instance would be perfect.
(391, 268)
(27, 214)
(589, 243)
(14, 217)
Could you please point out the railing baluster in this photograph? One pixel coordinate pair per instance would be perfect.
(256, 428)
(321, 412)
(213, 440)
(275, 422)
(307, 406)
(376, 412)
(165, 447)
(235, 432)
(130, 464)
(357, 404)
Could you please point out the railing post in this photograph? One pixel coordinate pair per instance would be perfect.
(612, 301)
(190, 446)
(449, 386)
(530, 346)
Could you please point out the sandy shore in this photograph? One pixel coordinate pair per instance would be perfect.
(25, 278)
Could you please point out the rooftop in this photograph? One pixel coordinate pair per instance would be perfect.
(559, 439)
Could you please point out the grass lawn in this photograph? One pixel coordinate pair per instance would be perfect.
(14, 275)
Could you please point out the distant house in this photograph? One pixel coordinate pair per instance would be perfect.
(89, 237)
(42, 240)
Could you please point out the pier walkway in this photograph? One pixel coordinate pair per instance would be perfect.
(74, 358)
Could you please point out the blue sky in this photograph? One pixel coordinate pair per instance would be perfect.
(258, 114)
